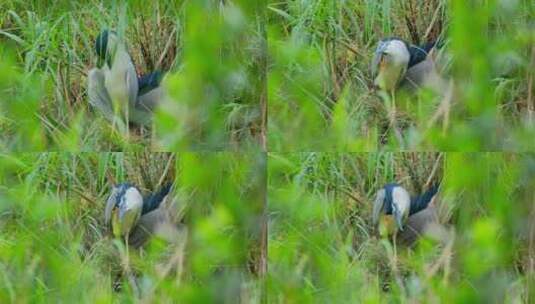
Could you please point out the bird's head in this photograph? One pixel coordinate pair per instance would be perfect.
(391, 208)
(390, 62)
(105, 47)
(123, 209)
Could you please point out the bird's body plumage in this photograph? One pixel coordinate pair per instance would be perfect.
(150, 92)
(419, 224)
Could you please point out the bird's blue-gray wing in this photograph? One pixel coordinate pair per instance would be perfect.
(150, 100)
(98, 95)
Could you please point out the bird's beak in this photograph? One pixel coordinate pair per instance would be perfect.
(399, 221)
(115, 222)
(376, 61)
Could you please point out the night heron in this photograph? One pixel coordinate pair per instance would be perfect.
(136, 218)
(394, 208)
(397, 63)
(115, 88)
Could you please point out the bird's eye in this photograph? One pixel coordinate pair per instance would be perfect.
(383, 60)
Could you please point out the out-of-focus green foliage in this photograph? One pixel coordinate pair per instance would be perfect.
(320, 82)
(216, 98)
(214, 54)
(323, 247)
(226, 195)
(19, 107)
(54, 245)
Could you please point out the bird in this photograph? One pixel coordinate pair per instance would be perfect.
(394, 208)
(135, 217)
(115, 88)
(397, 63)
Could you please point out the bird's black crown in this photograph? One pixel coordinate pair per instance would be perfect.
(101, 44)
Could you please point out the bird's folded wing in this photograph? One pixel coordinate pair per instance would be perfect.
(424, 75)
(150, 100)
(98, 95)
(146, 227)
(422, 223)
(162, 222)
